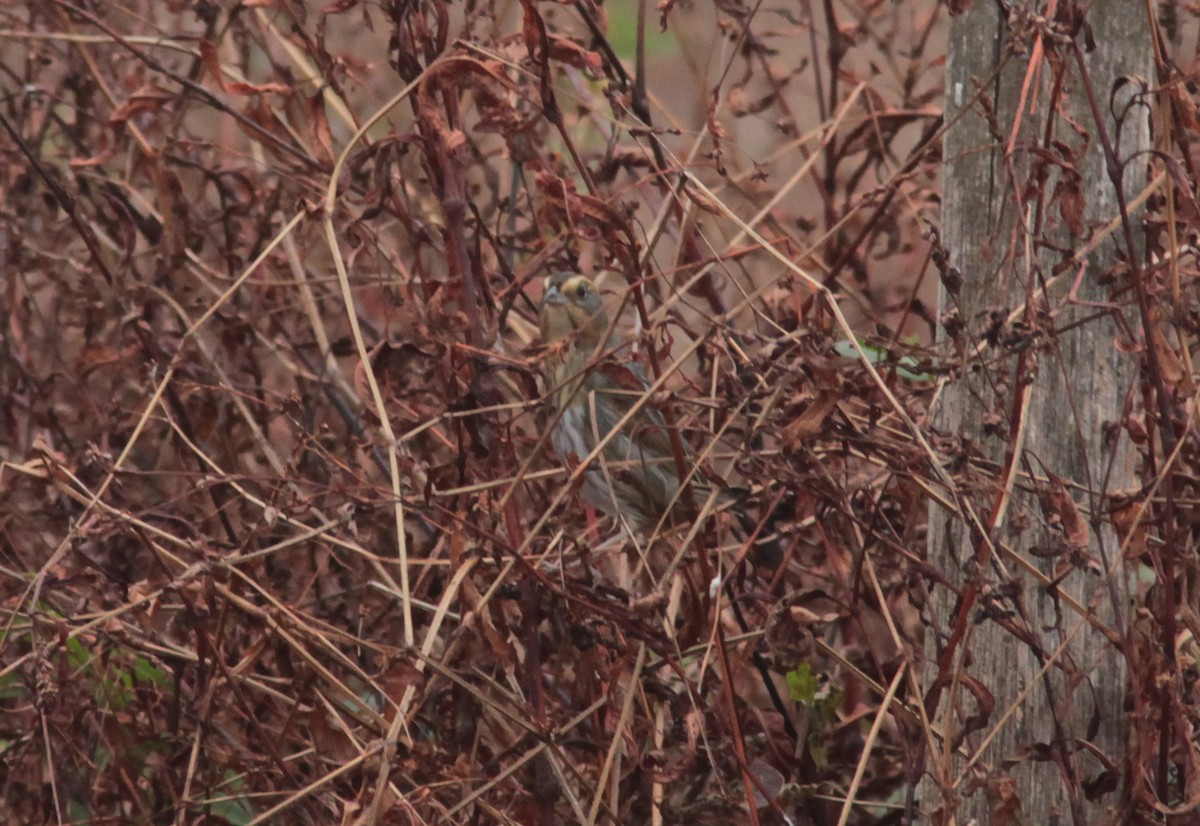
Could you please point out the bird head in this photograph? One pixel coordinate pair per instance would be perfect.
(571, 306)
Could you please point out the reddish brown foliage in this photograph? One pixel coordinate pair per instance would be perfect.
(280, 533)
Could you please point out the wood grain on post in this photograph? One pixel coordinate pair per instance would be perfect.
(1035, 410)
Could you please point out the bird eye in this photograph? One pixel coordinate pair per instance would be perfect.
(582, 290)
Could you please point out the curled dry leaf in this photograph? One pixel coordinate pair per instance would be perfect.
(812, 420)
(1075, 527)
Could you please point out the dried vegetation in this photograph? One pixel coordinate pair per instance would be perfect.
(235, 234)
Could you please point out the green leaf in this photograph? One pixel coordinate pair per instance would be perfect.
(802, 684)
(77, 655)
(148, 672)
(879, 356)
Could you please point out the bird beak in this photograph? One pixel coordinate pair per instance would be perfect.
(554, 295)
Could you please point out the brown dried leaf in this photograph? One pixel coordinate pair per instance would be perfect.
(1169, 362)
(693, 725)
(241, 88)
(1058, 503)
(212, 62)
(567, 51)
(1071, 203)
(701, 200)
(149, 98)
(322, 134)
(810, 422)
(94, 356)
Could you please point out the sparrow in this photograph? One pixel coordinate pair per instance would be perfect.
(595, 389)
